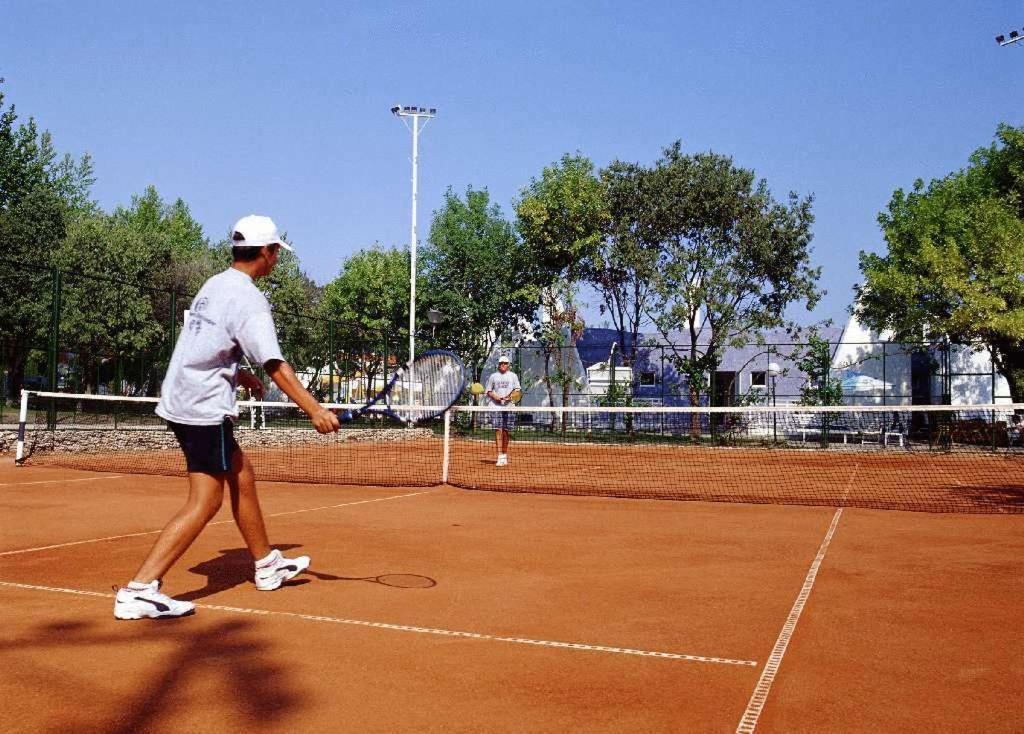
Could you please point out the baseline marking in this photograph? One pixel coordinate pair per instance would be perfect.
(421, 630)
(62, 481)
(757, 699)
(218, 522)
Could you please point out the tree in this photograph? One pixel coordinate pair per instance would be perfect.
(369, 298)
(128, 277)
(814, 359)
(955, 262)
(561, 217)
(623, 265)
(732, 258)
(477, 275)
(39, 193)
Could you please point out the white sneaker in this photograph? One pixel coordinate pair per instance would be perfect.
(136, 603)
(278, 570)
(502, 460)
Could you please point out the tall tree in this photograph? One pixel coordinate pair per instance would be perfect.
(39, 194)
(732, 259)
(369, 300)
(623, 266)
(477, 274)
(955, 262)
(561, 217)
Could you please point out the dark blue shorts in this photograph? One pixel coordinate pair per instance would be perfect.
(208, 449)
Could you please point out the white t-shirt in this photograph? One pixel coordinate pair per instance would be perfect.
(502, 384)
(228, 318)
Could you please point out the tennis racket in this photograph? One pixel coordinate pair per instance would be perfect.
(423, 389)
(515, 396)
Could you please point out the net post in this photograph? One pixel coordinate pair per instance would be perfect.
(19, 456)
(447, 445)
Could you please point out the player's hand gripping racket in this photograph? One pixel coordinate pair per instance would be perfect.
(423, 389)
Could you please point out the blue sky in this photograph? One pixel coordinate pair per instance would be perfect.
(283, 109)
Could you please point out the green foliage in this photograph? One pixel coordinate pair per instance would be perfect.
(732, 259)
(561, 217)
(372, 290)
(955, 262)
(369, 300)
(477, 274)
(624, 263)
(814, 359)
(39, 194)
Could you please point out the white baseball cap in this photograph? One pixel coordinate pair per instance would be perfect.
(256, 231)
(504, 358)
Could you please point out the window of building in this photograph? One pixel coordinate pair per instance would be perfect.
(648, 379)
(758, 378)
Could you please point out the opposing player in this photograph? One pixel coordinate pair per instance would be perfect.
(499, 387)
(229, 318)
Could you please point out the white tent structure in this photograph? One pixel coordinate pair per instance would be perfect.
(875, 370)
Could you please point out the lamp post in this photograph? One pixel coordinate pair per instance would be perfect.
(416, 113)
(773, 372)
(435, 317)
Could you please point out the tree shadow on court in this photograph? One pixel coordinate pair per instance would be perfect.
(250, 683)
(233, 567)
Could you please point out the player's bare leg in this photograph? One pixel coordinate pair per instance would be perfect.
(245, 505)
(205, 494)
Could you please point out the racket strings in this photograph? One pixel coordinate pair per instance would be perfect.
(429, 386)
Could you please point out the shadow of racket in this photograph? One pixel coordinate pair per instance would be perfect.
(394, 580)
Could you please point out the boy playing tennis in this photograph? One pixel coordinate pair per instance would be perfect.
(499, 386)
(229, 318)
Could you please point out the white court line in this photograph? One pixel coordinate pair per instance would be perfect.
(61, 481)
(424, 630)
(849, 485)
(219, 522)
(757, 700)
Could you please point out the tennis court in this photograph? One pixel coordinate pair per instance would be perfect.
(434, 608)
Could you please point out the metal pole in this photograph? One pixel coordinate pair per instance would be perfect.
(330, 358)
(775, 430)
(51, 413)
(415, 113)
(412, 244)
(447, 446)
(19, 455)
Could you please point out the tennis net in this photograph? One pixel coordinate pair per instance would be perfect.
(924, 458)
(124, 435)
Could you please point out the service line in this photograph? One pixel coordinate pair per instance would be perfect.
(218, 522)
(422, 630)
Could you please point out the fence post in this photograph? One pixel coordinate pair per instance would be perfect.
(447, 446)
(19, 456)
(330, 359)
(51, 411)
(173, 331)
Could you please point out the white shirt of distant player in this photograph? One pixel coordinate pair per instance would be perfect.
(229, 317)
(502, 384)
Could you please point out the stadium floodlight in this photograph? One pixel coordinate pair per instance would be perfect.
(1014, 37)
(416, 113)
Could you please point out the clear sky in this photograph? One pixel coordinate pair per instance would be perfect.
(283, 108)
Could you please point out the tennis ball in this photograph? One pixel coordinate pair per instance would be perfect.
(476, 388)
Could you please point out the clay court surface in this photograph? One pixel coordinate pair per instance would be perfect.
(444, 609)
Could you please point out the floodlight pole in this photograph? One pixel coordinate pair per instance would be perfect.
(415, 113)
(1015, 37)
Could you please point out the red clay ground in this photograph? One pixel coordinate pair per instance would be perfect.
(912, 622)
